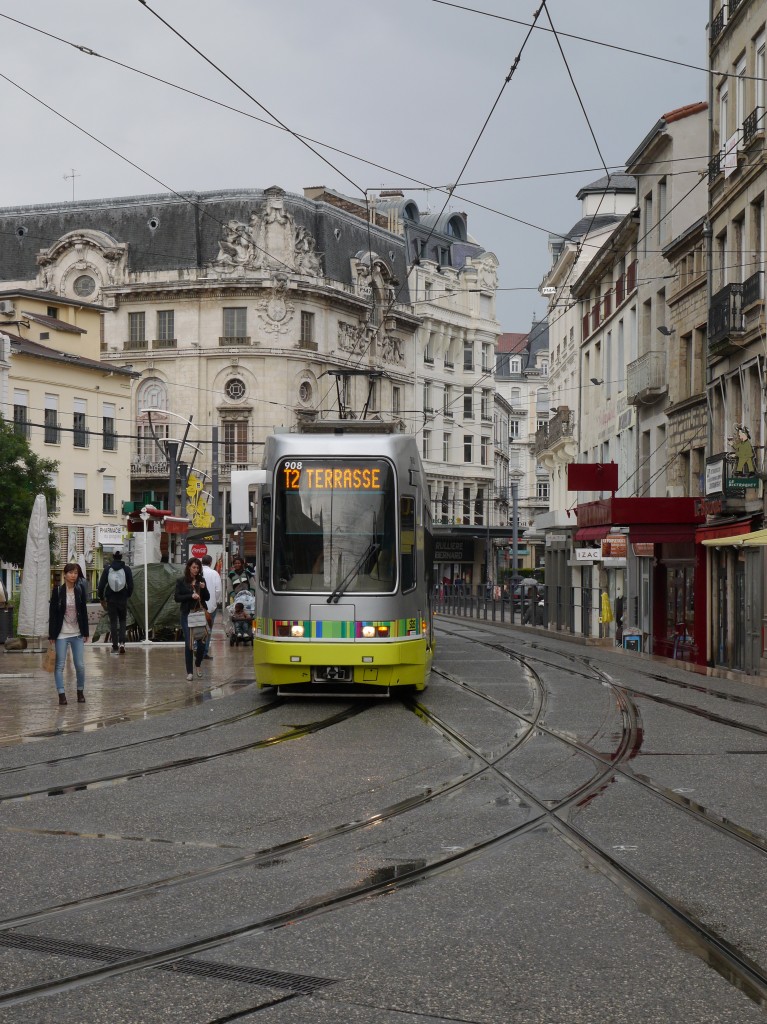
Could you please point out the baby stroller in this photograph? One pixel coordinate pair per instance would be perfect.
(240, 630)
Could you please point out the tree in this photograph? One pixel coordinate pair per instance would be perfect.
(23, 475)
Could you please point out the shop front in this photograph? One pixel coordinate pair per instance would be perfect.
(660, 574)
(735, 569)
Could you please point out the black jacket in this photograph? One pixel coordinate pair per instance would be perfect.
(120, 598)
(186, 598)
(58, 607)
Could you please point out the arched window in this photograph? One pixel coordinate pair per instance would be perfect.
(152, 395)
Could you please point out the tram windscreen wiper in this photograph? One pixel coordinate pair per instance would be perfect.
(367, 555)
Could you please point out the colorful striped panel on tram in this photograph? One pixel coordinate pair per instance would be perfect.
(319, 629)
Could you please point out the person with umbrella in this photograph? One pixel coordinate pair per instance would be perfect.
(68, 628)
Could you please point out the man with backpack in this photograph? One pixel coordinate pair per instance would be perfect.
(114, 589)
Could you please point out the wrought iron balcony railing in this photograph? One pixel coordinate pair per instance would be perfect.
(718, 23)
(752, 289)
(714, 167)
(753, 124)
(725, 318)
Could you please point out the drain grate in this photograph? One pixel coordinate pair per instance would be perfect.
(305, 984)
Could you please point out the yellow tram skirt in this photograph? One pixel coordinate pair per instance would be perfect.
(396, 663)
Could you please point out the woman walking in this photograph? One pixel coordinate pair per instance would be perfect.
(68, 628)
(191, 594)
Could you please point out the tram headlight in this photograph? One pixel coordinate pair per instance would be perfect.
(297, 630)
(368, 632)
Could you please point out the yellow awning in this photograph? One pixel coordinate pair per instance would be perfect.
(743, 540)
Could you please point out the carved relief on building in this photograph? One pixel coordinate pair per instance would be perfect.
(352, 338)
(373, 278)
(270, 241)
(391, 349)
(487, 271)
(277, 311)
(81, 263)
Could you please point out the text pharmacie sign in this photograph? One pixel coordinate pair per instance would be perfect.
(106, 535)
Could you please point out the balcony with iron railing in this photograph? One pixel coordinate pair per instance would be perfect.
(725, 317)
(558, 431)
(753, 126)
(136, 345)
(753, 289)
(718, 22)
(233, 339)
(646, 379)
(715, 167)
(160, 343)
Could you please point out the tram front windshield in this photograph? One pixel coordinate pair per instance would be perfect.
(334, 526)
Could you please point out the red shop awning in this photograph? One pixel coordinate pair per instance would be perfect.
(592, 532)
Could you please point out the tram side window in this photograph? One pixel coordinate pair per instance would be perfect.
(407, 542)
(265, 533)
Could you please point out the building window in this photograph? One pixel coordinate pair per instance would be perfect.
(305, 392)
(235, 322)
(487, 361)
(486, 404)
(51, 420)
(468, 355)
(479, 507)
(108, 496)
(395, 400)
(515, 365)
(484, 450)
(514, 429)
(468, 442)
(235, 442)
(425, 443)
(21, 412)
(235, 389)
(109, 436)
(542, 490)
(467, 504)
(137, 326)
(78, 502)
(427, 407)
(53, 311)
(166, 326)
(307, 328)
(446, 447)
(468, 403)
(79, 424)
(147, 448)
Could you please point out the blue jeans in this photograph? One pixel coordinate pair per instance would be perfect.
(213, 615)
(77, 644)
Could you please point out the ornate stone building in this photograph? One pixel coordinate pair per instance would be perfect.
(248, 310)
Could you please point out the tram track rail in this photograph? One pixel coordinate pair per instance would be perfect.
(730, 962)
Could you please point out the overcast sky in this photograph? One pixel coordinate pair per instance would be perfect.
(407, 85)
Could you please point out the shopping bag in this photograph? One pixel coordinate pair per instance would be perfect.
(49, 659)
(195, 619)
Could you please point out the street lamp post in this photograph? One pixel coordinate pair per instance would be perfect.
(145, 517)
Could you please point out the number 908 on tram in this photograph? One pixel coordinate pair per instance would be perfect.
(344, 564)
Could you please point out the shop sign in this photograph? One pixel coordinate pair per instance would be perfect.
(615, 545)
(643, 549)
(715, 477)
(447, 549)
(555, 538)
(109, 536)
(587, 555)
(198, 550)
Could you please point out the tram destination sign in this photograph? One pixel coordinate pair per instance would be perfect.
(315, 475)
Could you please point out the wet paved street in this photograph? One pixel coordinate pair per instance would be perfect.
(146, 680)
(551, 834)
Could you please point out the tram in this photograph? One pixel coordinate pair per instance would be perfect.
(345, 560)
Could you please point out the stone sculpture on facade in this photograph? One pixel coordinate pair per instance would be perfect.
(270, 240)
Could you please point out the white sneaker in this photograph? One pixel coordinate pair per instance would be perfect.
(189, 676)
(199, 673)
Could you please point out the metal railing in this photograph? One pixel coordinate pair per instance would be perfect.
(164, 343)
(714, 167)
(725, 317)
(752, 289)
(646, 377)
(136, 345)
(231, 339)
(718, 23)
(753, 124)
